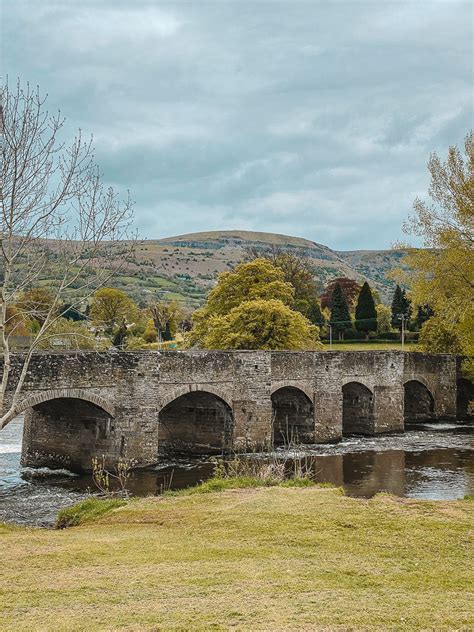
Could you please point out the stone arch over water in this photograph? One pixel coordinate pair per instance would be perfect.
(196, 422)
(292, 416)
(419, 404)
(357, 409)
(66, 393)
(66, 432)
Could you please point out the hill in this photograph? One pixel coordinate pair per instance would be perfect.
(199, 257)
(185, 267)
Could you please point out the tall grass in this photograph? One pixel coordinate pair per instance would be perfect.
(254, 471)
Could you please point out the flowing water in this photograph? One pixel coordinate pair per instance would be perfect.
(434, 461)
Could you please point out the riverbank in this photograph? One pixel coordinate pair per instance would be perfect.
(252, 559)
(435, 462)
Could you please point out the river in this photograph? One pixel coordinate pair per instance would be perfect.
(435, 461)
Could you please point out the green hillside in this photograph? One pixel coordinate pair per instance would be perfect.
(185, 267)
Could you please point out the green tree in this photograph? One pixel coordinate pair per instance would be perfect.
(110, 307)
(297, 271)
(365, 313)
(314, 313)
(439, 336)
(423, 313)
(258, 288)
(257, 279)
(340, 316)
(262, 324)
(349, 287)
(401, 305)
(150, 334)
(384, 317)
(167, 334)
(16, 324)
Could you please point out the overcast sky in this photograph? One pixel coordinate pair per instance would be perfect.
(313, 119)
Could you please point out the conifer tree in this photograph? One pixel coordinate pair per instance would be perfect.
(401, 305)
(315, 314)
(365, 313)
(423, 314)
(340, 316)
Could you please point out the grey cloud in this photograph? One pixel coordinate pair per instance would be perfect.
(310, 118)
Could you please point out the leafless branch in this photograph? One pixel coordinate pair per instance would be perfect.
(57, 221)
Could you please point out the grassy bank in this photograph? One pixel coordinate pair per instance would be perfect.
(274, 558)
(370, 346)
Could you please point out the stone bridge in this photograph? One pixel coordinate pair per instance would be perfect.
(143, 404)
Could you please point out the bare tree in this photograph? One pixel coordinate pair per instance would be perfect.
(163, 314)
(57, 217)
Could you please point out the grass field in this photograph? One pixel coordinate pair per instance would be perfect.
(370, 346)
(246, 559)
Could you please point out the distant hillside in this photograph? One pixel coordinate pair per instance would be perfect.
(185, 267)
(199, 257)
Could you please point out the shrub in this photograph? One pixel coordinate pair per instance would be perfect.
(352, 334)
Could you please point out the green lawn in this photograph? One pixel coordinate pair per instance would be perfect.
(247, 559)
(370, 346)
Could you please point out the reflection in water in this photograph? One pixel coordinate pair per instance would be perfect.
(368, 473)
(434, 463)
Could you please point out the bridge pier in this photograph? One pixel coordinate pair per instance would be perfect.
(328, 413)
(388, 409)
(252, 425)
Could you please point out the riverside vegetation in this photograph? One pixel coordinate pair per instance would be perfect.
(232, 553)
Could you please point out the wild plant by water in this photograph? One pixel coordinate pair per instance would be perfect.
(102, 477)
(269, 470)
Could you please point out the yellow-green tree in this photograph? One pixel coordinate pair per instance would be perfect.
(262, 324)
(67, 334)
(250, 308)
(16, 321)
(384, 315)
(257, 279)
(440, 336)
(442, 273)
(150, 334)
(35, 304)
(110, 306)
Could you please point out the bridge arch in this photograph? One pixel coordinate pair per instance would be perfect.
(195, 421)
(357, 409)
(276, 386)
(65, 393)
(418, 401)
(66, 428)
(292, 415)
(195, 388)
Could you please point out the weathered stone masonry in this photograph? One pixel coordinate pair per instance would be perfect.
(141, 404)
